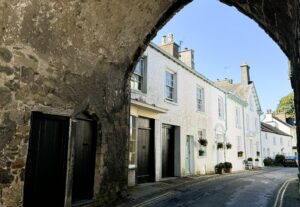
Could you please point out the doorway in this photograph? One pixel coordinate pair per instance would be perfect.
(168, 148)
(145, 151)
(57, 151)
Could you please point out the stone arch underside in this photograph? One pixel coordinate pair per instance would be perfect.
(64, 57)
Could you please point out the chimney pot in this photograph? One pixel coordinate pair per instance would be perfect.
(170, 38)
(164, 40)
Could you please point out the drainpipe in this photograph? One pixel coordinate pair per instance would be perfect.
(225, 134)
(259, 130)
(244, 132)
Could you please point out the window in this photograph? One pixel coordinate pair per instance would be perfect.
(220, 108)
(170, 86)
(138, 78)
(132, 141)
(281, 141)
(266, 136)
(203, 148)
(202, 134)
(274, 141)
(200, 99)
(257, 146)
(264, 152)
(268, 152)
(237, 117)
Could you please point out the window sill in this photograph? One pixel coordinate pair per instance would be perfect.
(171, 102)
(135, 91)
(201, 112)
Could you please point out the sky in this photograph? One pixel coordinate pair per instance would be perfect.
(223, 39)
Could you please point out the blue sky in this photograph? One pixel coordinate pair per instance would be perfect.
(223, 38)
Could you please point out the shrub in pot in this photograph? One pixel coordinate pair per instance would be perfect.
(203, 142)
(201, 152)
(250, 159)
(279, 159)
(227, 167)
(240, 153)
(219, 168)
(256, 160)
(220, 145)
(228, 146)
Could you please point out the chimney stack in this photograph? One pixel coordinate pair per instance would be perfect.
(187, 57)
(245, 76)
(168, 45)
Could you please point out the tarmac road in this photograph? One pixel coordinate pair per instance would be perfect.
(251, 189)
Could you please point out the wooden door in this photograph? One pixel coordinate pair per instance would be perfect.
(145, 151)
(84, 152)
(45, 176)
(168, 145)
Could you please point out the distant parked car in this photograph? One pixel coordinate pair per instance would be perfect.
(290, 161)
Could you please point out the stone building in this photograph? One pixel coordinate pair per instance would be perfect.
(174, 107)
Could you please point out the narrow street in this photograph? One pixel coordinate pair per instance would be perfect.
(255, 188)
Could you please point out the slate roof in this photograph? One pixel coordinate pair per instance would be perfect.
(287, 124)
(268, 128)
(237, 89)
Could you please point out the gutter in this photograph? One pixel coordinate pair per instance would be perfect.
(244, 132)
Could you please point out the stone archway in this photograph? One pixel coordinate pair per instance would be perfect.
(65, 57)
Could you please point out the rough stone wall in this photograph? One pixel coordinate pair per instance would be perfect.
(66, 57)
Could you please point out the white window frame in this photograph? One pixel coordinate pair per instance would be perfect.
(200, 98)
(139, 79)
(171, 85)
(238, 118)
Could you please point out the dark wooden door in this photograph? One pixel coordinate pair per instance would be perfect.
(84, 151)
(168, 145)
(145, 151)
(45, 176)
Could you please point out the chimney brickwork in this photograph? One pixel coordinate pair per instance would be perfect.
(187, 57)
(245, 76)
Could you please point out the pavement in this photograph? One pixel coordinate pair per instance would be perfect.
(284, 194)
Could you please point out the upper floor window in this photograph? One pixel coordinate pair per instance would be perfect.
(138, 78)
(237, 117)
(239, 143)
(170, 86)
(281, 141)
(200, 99)
(266, 136)
(220, 107)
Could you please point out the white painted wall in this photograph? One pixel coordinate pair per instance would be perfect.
(183, 113)
(272, 145)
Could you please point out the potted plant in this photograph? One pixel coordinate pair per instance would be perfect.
(227, 167)
(220, 145)
(258, 153)
(228, 145)
(203, 142)
(201, 152)
(250, 159)
(256, 160)
(249, 164)
(240, 153)
(219, 168)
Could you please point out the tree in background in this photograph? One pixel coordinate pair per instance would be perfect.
(286, 105)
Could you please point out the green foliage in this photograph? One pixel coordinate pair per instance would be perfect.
(227, 165)
(268, 161)
(220, 166)
(279, 159)
(256, 159)
(250, 159)
(286, 105)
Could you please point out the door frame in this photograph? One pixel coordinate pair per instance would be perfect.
(152, 138)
